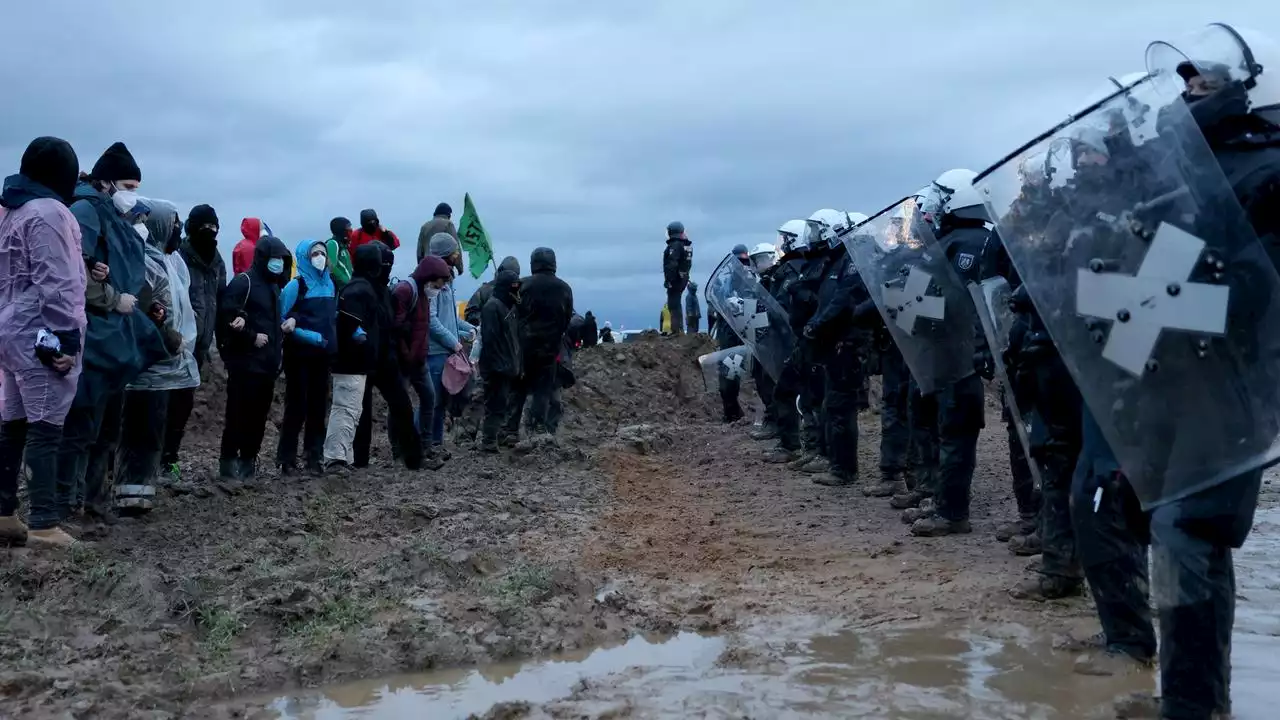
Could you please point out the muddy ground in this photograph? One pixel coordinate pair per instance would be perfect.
(650, 516)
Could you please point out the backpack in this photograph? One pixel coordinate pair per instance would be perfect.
(413, 294)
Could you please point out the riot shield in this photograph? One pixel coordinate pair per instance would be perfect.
(927, 310)
(1157, 293)
(731, 363)
(991, 300)
(752, 313)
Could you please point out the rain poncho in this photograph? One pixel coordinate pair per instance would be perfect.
(180, 370)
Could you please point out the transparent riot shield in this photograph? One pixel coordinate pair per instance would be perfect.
(927, 310)
(731, 364)
(991, 300)
(755, 317)
(1156, 291)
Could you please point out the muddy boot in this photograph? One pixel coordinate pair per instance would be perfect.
(509, 440)
(54, 537)
(438, 451)
(338, 469)
(1096, 642)
(1026, 545)
(1111, 662)
(803, 459)
(888, 486)
(1009, 530)
(1046, 587)
(764, 433)
(1036, 564)
(287, 470)
(936, 526)
(817, 466)
(489, 447)
(248, 471)
(13, 532)
(836, 478)
(228, 469)
(909, 499)
(314, 468)
(781, 456)
(1142, 706)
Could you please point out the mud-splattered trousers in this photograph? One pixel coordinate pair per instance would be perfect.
(844, 375)
(895, 429)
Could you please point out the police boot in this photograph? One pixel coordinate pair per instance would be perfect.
(781, 456)
(888, 486)
(1047, 587)
(1023, 526)
(938, 526)
(1026, 545)
(908, 499)
(926, 508)
(805, 457)
(765, 432)
(836, 478)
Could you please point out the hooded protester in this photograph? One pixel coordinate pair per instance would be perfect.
(339, 254)
(309, 313)
(250, 336)
(677, 262)
(413, 329)
(208, 275)
(500, 359)
(441, 223)
(447, 332)
(251, 231)
(385, 376)
(146, 402)
(545, 308)
(481, 296)
(692, 310)
(358, 338)
(606, 334)
(590, 331)
(371, 230)
(120, 341)
(42, 324)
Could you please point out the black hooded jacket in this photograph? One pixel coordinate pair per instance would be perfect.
(359, 329)
(546, 306)
(500, 328)
(255, 296)
(590, 331)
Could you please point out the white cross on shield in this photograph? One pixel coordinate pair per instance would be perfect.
(910, 301)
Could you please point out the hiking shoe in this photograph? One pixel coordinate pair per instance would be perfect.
(1009, 530)
(909, 499)
(1026, 545)
(54, 537)
(13, 532)
(803, 459)
(888, 486)
(1140, 706)
(817, 466)
(835, 479)
(764, 432)
(489, 447)
(936, 526)
(1047, 587)
(780, 456)
(1110, 662)
(337, 468)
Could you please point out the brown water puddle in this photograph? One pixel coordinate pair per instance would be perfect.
(805, 667)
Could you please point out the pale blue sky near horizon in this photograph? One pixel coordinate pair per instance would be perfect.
(585, 128)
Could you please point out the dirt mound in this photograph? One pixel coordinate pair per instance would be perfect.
(225, 591)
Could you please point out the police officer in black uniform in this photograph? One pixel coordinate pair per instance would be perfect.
(677, 262)
(782, 279)
(725, 337)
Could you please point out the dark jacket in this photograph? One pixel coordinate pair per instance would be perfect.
(359, 333)
(840, 296)
(208, 278)
(590, 331)
(255, 296)
(437, 224)
(481, 296)
(500, 329)
(692, 309)
(546, 306)
(117, 347)
(677, 261)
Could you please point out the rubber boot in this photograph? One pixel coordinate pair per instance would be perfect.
(229, 469)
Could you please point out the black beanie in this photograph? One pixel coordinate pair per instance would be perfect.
(201, 215)
(337, 225)
(116, 164)
(444, 209)
(52, 162)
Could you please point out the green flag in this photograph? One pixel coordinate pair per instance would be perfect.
(474, 239)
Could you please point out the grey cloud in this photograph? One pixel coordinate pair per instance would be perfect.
(586, 128)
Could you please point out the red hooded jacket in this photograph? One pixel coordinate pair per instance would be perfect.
(251, 230)
(360, 237)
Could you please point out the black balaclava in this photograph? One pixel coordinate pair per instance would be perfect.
(52, 162)
(339, 227)
(506, 287)
(203, 237)
(369, 221)
(388, 259)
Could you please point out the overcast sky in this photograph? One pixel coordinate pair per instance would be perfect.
(585, 127)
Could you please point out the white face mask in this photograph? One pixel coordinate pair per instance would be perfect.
(319, 261)
(143, 232)
(124, 200)
(432, 292)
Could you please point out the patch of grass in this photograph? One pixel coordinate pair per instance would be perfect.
(320, 514)
(90, 564)
(219, 627)
(336, 616)
(521, 586)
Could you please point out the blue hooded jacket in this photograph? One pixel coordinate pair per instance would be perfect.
(117, 348)
(315, 309)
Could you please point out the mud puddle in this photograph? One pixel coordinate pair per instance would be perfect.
(808, 666)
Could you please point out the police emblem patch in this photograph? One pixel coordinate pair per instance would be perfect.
(964, 261)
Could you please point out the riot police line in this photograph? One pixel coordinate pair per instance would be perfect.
(1116, 278)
